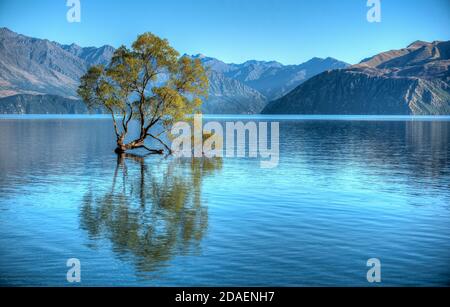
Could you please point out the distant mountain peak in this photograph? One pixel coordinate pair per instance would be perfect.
(328, 58)
(417, 44)
(200, 56)
(257, 62)
(6, 30)
(7, 33)
(318, 59)
(313, 59)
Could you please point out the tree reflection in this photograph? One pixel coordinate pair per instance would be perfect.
(153, 210)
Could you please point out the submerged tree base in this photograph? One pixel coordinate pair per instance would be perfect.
(121, 150)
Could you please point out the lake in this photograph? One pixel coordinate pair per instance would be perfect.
(346, 189)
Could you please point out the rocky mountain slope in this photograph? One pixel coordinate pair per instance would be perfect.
(229, 96)
(413, 80)
(36, 66)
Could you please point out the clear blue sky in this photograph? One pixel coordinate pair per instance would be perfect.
(288, 31)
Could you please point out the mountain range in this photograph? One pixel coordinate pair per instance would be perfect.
(38, 66)
(411, 81)
(41, 76)
(270, 78)
(32, 66)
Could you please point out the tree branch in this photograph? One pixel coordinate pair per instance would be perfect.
(153, 151)
(161, 141)
(116, 129)
(127, 121)
(141, 114)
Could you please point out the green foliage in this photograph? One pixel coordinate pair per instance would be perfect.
(132, 86)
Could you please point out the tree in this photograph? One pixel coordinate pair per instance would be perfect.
(148, 83)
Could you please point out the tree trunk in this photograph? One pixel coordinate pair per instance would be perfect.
(120, 149)
(123, 148)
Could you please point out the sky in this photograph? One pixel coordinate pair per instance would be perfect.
(234, 31)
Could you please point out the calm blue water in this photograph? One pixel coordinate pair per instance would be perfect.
(347, 189)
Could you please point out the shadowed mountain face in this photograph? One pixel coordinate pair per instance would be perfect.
(414, 80)
(41, 67)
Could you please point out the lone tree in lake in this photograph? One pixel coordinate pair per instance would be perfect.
(149, 83)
